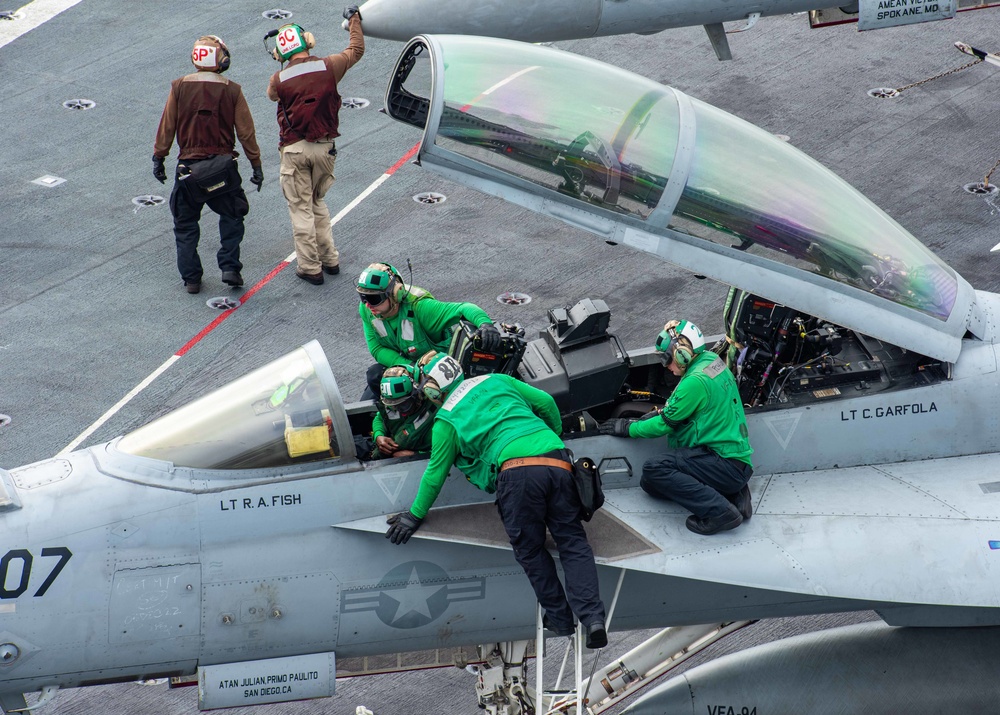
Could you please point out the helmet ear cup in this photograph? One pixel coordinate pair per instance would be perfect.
(309, 38)
(432, 392)
(682, 356)
(395, 283)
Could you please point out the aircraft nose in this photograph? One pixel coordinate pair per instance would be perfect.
(525, 20)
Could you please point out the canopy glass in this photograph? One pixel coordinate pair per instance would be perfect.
(621, 142)
(283, 413)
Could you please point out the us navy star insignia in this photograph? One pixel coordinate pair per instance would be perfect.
(412, 594)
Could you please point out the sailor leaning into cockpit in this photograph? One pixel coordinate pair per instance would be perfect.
(708, 466)
(503, 434)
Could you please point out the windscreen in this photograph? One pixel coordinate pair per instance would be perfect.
(278, 415)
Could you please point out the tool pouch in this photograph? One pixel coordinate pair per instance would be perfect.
(207, 178)
(588, 485)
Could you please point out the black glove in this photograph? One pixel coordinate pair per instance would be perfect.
(258, 177)
(617, 427)
(488, 338)
(401, 527)
(350, 11)
(159, 173)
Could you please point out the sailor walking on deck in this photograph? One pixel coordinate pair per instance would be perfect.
(203, 109)
(309, 121)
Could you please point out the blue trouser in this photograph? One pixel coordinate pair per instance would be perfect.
(696, 478)
(231, 207)
(530, 499)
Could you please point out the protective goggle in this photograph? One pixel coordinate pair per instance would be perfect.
(664, 347)
(374, 298)
(405, 405)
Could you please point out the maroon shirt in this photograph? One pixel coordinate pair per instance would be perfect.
(306, 91)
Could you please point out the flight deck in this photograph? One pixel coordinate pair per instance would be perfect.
(94, 313)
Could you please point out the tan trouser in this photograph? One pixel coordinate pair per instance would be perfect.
(306, 176)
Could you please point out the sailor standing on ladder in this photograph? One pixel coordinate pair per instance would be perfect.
(504, 436)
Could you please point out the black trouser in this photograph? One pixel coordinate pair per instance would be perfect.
(186, 209)
(529, 499)
(696, 478)
(373, 380)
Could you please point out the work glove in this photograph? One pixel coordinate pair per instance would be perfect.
(488, 338)
(159, 172)
(617, 427)
(258, 177)
(401, 527)
(350, 11)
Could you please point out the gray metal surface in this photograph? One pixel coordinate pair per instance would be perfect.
(561, 19)
(610, 537)
(91, 305)
(947, 667)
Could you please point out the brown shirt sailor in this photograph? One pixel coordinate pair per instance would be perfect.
(306, 91)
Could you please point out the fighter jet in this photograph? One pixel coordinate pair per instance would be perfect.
(241, 537)
(531, 21)
(550, 21)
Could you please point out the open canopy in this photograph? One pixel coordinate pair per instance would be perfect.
(642, 163)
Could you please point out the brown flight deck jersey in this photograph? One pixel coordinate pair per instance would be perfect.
(202, 109)
(306, 92)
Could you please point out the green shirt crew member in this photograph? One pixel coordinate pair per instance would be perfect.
(403, 322)
(402, 425)
(708, 466)
(504, 436)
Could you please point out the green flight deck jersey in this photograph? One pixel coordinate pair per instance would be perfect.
(484, 422)
(411, 432)
(422, 323)
(704, 410)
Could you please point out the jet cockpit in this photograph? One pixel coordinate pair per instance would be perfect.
(279, 420)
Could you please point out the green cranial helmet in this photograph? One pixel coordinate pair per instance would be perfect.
(396, 386)
(666, 340)
(291, 40)
(378, 278)
(687, 329)
(440, 375)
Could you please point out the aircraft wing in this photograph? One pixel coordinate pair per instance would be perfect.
(808, 532)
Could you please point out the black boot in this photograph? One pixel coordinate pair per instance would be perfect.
(741, 500)
(729, 520)
(559, 629)
(597, 635)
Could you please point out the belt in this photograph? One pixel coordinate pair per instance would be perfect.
(536, 462)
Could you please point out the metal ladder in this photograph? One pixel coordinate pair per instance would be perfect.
(502, 684)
